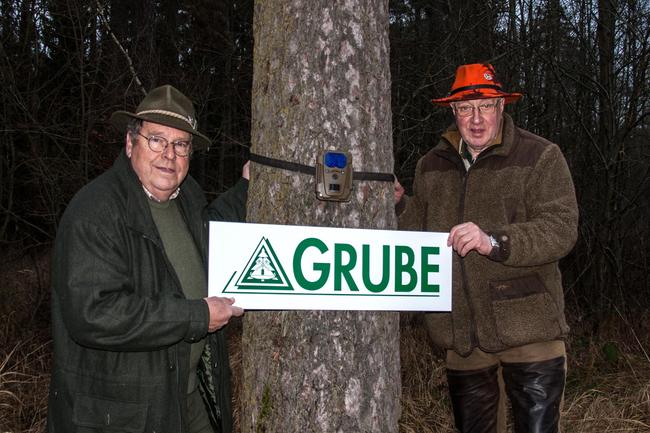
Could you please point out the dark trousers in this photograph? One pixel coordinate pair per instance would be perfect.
(533, 382)
(198, 419)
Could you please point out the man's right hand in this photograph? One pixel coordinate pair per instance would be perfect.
(221, 310)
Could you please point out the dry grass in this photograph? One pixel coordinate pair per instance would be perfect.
(25, 348)
(608, 387)
(620, 402)
(425, 403)
(608, 384)
(24, 381)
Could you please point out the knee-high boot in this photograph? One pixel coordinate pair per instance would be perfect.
(535, 390)
(475, 398)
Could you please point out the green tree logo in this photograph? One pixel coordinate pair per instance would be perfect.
(263, 270)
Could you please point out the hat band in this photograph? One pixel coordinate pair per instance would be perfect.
(188, 119)
(476, 86)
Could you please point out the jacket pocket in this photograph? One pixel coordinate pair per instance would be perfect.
(524, 311)
(99, 414)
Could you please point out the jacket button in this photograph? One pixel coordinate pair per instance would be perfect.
(171, 366)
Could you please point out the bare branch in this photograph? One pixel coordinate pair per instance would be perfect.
(100, 11)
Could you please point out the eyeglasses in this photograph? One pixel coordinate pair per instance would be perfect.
(466, 110)
(158, 144)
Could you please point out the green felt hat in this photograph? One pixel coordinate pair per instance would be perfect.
(167, 106)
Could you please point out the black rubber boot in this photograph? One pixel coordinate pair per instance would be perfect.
(535, 390)
(475, 399)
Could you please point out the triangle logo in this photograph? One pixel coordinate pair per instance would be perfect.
(263, 270)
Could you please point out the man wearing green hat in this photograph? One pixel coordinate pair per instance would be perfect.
(506, 198)
(138, 344)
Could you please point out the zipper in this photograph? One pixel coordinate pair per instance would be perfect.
(174, 356)
(473, 335)
(461, 212)
(173, 350)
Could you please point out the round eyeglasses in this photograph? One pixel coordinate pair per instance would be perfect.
(159, 144)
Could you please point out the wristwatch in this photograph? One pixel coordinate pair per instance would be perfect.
(494, 242)
(500, 247)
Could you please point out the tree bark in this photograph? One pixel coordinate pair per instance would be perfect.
(321, 81)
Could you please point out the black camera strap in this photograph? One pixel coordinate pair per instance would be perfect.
(311, 170)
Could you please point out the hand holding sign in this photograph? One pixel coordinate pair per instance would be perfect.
(221, 310)
(467, 237)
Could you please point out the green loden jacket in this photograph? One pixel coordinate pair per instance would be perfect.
(521, 192)
(121, 325)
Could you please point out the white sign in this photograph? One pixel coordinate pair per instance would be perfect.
(276, 267)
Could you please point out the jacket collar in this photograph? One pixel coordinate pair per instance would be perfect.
(138, 215)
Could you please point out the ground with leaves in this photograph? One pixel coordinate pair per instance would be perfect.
(608, 382)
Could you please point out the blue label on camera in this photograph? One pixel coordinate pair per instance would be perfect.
(335, 160)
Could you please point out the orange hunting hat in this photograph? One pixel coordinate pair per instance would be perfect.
(476, 81)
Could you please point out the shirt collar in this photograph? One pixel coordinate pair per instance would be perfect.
(467, 156)
(152, 197)
(464, 152)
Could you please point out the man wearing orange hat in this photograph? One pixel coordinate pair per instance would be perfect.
(138, 344)
(506, 197)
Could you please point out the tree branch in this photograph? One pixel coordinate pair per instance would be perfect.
(100, 12)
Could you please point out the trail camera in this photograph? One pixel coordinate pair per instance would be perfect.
(333, 175)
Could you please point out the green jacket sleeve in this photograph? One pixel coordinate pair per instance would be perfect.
(231, 205)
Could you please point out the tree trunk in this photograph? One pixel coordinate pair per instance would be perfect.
(321, 81)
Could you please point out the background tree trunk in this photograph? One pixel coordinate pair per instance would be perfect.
(321, 80)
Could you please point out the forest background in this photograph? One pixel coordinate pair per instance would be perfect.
(583, 65)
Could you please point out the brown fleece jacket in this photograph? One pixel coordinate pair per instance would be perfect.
(521, 192)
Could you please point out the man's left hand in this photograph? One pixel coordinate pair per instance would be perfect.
(398, 190)
(468, 236)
